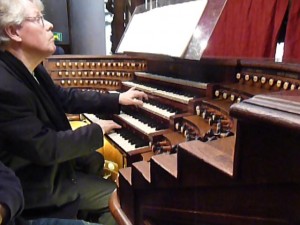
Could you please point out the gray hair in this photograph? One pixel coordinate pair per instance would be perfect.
(13, 12)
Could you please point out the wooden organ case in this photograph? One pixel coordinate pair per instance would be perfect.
(216, 143)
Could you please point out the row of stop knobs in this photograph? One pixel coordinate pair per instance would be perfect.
(271, 82)
(130, 65)
(93, 74)
(90, 82)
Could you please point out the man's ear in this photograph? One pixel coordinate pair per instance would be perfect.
(13, 33)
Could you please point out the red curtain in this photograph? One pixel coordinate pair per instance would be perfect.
(247, 28)
(292, 38)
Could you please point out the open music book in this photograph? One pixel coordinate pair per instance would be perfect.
(177, 28)
(164, 30)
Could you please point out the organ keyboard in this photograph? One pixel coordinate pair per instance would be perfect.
(160, 109)
(140, 123)
(166, 92)
(129, 142)
(159, 92)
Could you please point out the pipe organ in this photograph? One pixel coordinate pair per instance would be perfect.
(209, 144)
(216, 142)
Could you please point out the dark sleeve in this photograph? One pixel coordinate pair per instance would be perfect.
(11, 194)
(35, 140)
(77, 101)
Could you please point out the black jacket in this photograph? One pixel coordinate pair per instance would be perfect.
(36, 140)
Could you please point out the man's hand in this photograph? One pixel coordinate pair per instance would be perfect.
(3, 213)
(132, 97)
(108, 125)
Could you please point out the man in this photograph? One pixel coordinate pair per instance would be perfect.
(12, 203)
(36, 138)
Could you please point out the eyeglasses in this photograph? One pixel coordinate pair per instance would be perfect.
(38, 19)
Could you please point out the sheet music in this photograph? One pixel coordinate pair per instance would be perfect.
(165, 30)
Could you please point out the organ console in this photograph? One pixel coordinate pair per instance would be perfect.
(208, 167)
(216, 143)
(223, 134)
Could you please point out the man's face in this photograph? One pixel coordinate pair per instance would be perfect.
(36, 33)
